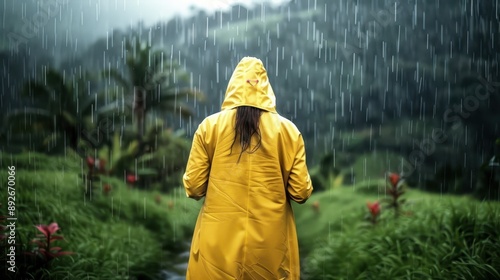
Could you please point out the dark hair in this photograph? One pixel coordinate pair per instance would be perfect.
(247, 124)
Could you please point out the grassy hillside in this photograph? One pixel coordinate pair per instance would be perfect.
(133, 234)
(436, 237)
(125, 234)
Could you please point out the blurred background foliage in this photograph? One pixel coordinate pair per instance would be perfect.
(358, 78)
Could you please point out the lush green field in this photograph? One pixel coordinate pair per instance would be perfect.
(436, 237)
(133, 234)
(125, 234)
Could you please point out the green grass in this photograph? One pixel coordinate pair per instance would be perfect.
(438, 237)
(371, 166)
(128, 235)
(125, 234)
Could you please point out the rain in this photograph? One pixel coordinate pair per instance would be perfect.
(396, 100)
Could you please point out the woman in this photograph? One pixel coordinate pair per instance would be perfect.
(248, 162)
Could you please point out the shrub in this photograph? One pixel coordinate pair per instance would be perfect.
(450, 242)
(121, 235)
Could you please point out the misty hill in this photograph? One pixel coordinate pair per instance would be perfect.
(357, 77)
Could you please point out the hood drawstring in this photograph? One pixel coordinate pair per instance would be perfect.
(249, 86)
(250, 82)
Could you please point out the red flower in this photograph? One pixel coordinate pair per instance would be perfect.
(394, 179)
(44, 245)
(132, 178)
(90, 162)
(48, 230)
(374, 208)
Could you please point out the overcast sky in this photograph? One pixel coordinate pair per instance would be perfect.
(126, 12)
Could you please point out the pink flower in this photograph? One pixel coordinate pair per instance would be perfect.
(48, 230)
(44, 245)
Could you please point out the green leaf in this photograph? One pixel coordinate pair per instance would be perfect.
(118, 77)
(133, 147)
(70, 119)
(147, 172)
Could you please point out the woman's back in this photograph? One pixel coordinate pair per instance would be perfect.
(246, 228)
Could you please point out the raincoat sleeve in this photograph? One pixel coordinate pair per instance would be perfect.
(195, 178)
(299, 182)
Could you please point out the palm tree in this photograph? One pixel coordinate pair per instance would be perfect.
(151, 83)
(58, 106)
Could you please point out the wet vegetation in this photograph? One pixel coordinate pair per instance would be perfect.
(99, 131)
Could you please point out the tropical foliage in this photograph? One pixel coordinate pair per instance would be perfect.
(107, 233)
(442, 239)
(373, 86)
(56, 110)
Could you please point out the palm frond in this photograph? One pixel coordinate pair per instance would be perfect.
(18, 120)
(37, 91)
(56, 82)
(183, 111)
(181, 95)
(113, 74)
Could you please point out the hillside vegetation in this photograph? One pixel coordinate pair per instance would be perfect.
(438, 236)
(128, 233)
(125, 233)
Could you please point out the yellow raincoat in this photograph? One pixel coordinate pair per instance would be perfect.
(245, 228)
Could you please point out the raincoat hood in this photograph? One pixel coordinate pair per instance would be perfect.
(246, 228)
(249, 86)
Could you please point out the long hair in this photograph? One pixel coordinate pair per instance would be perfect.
(247, 124)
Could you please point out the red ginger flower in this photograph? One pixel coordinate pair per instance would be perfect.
(374, 208)
(394, 179)
(131, 178)
(48, 230)
(45, 248)
(96, 163)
